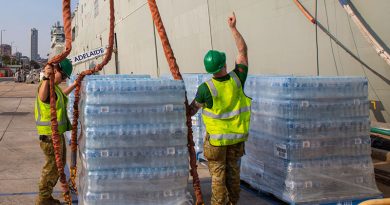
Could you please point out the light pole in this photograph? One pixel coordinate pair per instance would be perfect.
(12, 43)
(1, 41)
(11, 53)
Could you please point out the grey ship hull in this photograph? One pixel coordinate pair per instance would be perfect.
(280, 39)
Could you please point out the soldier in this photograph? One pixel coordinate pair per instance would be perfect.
(17, 75)
(50, 173)
(226, 114)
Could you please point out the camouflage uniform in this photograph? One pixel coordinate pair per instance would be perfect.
(50, 174)
(224, 167)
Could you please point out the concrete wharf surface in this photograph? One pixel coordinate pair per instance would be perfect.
(21, 158)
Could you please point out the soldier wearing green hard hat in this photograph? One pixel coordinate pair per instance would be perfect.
(66, 67)
(214, 61)
(50, 175)
(226, 114)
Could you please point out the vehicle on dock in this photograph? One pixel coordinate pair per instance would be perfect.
(33, 76)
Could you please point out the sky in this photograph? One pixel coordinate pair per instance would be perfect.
(18, 17)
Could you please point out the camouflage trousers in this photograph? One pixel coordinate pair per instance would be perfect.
(49, 176)
(224, 167)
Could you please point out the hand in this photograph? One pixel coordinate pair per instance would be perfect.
(232, 21)
(74, 84)
(48, 70)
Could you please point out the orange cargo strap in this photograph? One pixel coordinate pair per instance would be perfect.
(174, 68)
(66, 13)
(97, 68)
(305, 12)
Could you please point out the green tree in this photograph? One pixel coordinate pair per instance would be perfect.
(34, 64)
(6, 60)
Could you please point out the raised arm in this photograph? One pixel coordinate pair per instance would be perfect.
(43, 92)
(69, 89)
(242, 57)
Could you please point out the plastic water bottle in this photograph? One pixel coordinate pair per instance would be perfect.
(134, 141)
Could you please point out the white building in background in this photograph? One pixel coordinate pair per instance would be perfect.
(279, 37)
(57, 34)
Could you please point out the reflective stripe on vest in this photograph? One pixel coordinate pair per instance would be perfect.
(227, 122)
(48, 123)
(213, 89)
(236, 79)
(227, 114)
(226, 139)
(43, 118)
(227, 136)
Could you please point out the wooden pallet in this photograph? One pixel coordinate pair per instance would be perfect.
(262, 193)
(382, 173)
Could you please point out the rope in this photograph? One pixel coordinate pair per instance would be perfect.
(305, 12)
(174, 68)
(311, 19)
(97, 68)
(318, 60)
(330, 40)
(66, 12)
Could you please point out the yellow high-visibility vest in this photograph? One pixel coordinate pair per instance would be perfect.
(42, 114)
(227, 122)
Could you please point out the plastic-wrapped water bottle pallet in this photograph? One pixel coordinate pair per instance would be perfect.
(275, 200)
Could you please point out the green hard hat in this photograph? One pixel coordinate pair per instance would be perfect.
(214, 61)
(66, 67)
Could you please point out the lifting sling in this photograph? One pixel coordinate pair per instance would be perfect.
(53, 112)
(97, 68)
(174, 68)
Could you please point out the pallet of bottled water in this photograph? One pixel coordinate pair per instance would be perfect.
(133, 144)
(309, 139)
(71, 97)
(289, 87)
(72, 78)
(192, 82)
